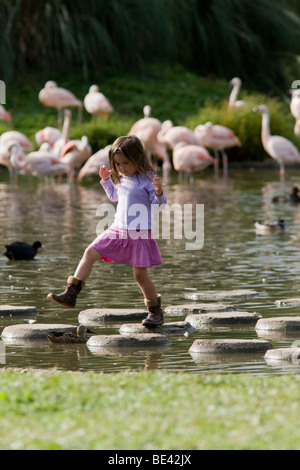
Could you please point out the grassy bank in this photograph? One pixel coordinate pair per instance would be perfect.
(151, 410)
(174, 93)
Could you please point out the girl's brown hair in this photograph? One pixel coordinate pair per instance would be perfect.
(132, 148)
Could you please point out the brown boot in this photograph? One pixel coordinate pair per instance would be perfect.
(155, 314)
(68, 297)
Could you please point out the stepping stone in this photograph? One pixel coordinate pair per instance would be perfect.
(176, 328)
(187, 309)
(143, 340)
(221, 295)
(207, 346)
(288, 302)
(279, 324)
(17, 311)
(208, 320)
(33, 331)
(95, 316)
(281, 355)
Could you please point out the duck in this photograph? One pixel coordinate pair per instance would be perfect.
(293, 197)
(77, 337)
(265, 228)
(22, 250)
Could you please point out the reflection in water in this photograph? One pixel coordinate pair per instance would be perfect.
(64, 218)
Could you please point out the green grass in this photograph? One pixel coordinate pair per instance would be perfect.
(148, 410)
(173, 93)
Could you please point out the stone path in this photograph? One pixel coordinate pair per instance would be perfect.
(17, 311)
(144, 340)
(221, 295)
(175, 328)
(206, 346)
(186, 309)
(35, 331)
(133, 336)
(209, 320)
(96, 316)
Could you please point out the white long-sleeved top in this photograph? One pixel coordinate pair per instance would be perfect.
(135, 196)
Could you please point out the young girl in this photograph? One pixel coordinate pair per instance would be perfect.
(137, 188)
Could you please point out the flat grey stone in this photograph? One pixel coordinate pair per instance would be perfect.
(282, 355)
(17, 311)
(143, 340)
(221, 295)
(95, 316)
(175, 328)
(234, 318)
(279, 324)
(294, 302)
(33, 331)
(187, 309)
(207, 346)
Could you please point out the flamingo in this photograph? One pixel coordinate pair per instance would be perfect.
(75, 153)
(6, 151)
(5, 115)
(25, 144)
(93, 164)
(147, 110)
(60, 98)
(191, 158)
(295, 110)
(49, 135)
(278, 147)
(218, 138)
(41, 163)
(65, 137)
(236, 83)
(96, 103)
(170, 136)
(147, 129)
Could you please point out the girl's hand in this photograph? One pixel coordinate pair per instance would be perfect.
(157, 183)
(104, 173)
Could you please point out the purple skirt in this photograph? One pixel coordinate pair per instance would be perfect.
(136, 248)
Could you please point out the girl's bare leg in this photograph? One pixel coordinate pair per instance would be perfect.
(86, 263)
(145, 283)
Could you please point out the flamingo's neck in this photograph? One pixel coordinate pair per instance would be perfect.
(234, 94)
(66, 128)
(265, 128)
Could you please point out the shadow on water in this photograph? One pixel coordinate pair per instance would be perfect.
(63, 218)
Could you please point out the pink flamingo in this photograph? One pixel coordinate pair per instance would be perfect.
(217, 138)
(75, 153)
(146, 130)
(191, 158)
(60, 98)
(49, 135)
(170, 135)
(6, 150)
(24, 143)
(93, 164)
(96, 103)
(236, 84)
(41, 163)
(295, 110)
(278, 147)
(5, 115)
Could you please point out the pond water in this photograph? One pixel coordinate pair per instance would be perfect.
(63, 217)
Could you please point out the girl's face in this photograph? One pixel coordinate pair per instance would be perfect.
(123, 165)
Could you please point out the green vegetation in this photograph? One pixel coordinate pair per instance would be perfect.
(173, 92)
(258, 40)
(148, 410)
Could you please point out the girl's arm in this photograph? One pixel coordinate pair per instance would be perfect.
(107, 184)
(156, 194)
